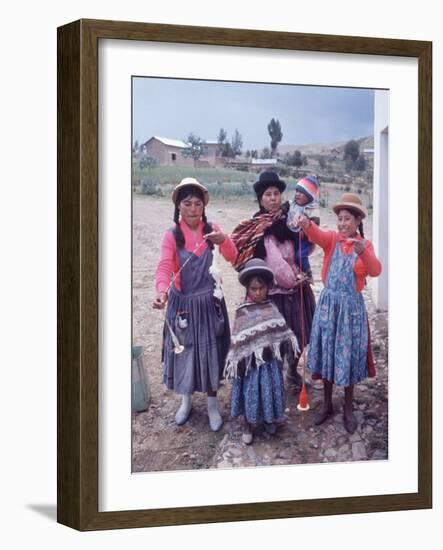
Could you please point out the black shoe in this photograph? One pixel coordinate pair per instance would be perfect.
(323, 415)
(350, 424)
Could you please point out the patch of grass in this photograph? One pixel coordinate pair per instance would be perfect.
(172, 175)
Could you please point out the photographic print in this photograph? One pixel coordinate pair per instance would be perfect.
(259, 274)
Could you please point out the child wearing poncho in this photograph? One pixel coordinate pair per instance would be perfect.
(254, 360)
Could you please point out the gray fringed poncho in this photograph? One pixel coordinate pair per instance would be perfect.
(259, 328)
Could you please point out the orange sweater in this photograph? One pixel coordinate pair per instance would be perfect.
(366, 264)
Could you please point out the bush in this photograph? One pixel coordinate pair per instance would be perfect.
(148, 187)
(146, 161)
(284, 171)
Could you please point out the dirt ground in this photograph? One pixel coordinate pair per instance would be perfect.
(158, 444)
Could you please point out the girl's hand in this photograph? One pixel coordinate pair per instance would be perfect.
(359, 245)
(304, 222)
(160, 300)
(216, 237)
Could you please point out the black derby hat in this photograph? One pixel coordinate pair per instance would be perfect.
(255, 267)
(268, 178)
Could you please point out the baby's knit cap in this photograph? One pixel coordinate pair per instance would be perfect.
(308, 186)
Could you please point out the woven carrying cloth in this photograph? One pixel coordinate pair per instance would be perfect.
(258, 332)
(249, 232)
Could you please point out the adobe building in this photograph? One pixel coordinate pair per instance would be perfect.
(169, 152)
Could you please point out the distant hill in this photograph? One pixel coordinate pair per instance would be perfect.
(324, 148)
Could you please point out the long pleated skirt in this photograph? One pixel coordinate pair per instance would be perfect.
(200, 322)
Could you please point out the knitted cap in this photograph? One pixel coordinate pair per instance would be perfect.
(308, 186)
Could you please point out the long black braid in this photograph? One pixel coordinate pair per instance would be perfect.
(189, 191)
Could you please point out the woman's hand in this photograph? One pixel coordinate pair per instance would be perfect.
(160, 300)
(216, 237)
(359, 245)
(303, 222)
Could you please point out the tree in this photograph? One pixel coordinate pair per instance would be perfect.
(322, 162)
(227, 150)
(360, 163)
(274, 130)
(352, 151)
(136, 147)
(237, 143)
(297, 159)
(294, 159)
(222, 135)
(221, 140)
(196, 147)
(266, 153)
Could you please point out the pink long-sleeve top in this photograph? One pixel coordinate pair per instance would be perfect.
(366, 264)
(169, 265)
(280, 257)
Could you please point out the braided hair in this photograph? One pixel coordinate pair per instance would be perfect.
(189, 191)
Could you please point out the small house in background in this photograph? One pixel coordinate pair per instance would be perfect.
(169, 152)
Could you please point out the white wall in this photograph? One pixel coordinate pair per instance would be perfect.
(381, 196)
(28, 277)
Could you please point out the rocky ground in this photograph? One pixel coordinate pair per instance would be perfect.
(159, 444)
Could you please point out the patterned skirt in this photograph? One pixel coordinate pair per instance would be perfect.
(339, 339)
(260, 395)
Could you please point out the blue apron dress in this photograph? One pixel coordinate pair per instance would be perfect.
(339, 337)
(200, 322)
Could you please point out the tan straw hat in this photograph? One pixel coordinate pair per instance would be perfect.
(350, 201)
(186, 182)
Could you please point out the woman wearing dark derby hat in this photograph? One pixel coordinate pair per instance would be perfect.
(267, 236)
(197, 317)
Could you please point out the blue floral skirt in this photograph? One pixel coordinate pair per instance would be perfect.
(339, 338)
(260, 395)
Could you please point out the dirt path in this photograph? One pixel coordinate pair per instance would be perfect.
(159, 444)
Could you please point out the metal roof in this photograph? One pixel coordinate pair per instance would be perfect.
(171, 142)
(263, 161)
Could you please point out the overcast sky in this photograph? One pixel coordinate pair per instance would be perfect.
(173, 108)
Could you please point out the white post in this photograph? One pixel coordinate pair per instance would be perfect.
(381, 196)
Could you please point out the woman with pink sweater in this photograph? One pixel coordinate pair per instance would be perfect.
(198, 318)
(339, 351)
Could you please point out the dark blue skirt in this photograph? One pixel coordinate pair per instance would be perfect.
(260, 395)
